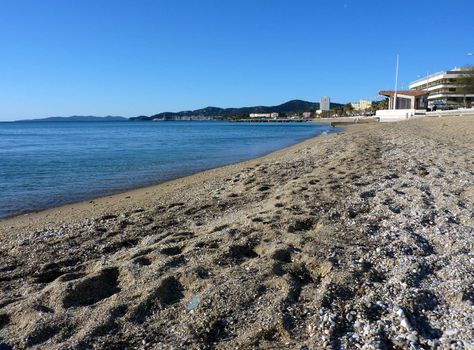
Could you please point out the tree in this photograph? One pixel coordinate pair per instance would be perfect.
(465, 83)
(348, 107)
(325, 114)
(337, 111)
(383, 104)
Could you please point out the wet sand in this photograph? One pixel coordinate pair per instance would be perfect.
(361, 238)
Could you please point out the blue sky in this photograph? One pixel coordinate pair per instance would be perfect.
(132, 57)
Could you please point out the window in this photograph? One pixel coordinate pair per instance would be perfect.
(403, 103)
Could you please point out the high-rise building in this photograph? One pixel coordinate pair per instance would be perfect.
(325, 104)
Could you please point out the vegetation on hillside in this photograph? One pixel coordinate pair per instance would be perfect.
(287, 108)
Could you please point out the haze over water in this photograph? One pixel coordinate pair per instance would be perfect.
(46, 164)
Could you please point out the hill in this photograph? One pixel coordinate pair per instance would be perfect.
(78, 118)
(293, 106)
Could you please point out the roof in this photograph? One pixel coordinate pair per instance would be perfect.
(455, 70)
(415, 93)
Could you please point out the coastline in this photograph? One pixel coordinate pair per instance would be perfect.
(139, 191)
(358, 237)
(104, 160)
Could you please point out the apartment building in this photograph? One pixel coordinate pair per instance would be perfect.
(362, 105)
(444, 88)
(325, 104)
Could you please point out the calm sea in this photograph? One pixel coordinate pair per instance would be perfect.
(46, 164)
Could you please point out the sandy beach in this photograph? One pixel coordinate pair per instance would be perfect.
(362, 239)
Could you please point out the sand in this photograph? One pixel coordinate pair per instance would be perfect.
(358, 240)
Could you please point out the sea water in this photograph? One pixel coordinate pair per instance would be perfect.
(47, 164)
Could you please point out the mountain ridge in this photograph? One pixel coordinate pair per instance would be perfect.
(77, 118)
(292, 106)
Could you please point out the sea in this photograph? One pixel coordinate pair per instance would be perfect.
(47, 164)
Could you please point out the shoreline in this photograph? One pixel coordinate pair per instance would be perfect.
(99, 206)
(114, 192)
(357, 238)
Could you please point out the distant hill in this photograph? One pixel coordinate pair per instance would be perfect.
(78, 118)
(294, 106)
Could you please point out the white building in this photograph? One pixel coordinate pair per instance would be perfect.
(325, 104)
(365, 105)
(444, 88)
(403, 104)
(362, 105)
(264, 115)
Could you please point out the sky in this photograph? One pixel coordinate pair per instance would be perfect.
(141, 57)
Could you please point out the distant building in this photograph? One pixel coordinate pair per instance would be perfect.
(264, 115)
(444, 89)
(365, 104)
(355, 105)
(325, 104)
(306, 114)
(362, 105)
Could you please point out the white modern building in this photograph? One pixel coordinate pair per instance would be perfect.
(444, 88)
(325, 104)
(403, 104)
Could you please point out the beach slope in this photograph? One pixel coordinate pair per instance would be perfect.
(361, 237)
